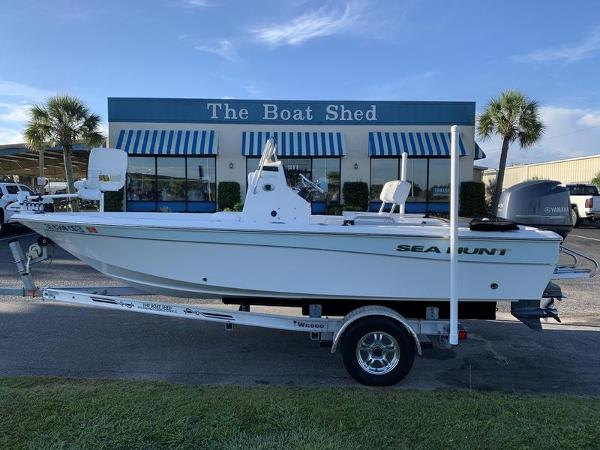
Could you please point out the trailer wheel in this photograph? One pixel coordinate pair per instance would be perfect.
(377, 351)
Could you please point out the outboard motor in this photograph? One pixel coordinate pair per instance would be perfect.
(542, 204)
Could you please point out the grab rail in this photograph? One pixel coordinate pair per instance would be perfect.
(565, 271)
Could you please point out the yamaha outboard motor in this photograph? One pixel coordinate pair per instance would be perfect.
(542, 204)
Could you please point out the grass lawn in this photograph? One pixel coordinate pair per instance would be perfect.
(66, 413)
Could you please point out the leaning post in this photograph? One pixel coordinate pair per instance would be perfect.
(454, 181)
(403, 175)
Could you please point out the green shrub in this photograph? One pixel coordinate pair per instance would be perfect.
(472, 199)
(596, 180)
(228, 194)
(356, 194)
(352, 208)
(113, 201)
(239, 206)
(334, 210)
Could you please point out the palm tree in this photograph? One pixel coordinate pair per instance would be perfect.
(513, 117)
(63, 121)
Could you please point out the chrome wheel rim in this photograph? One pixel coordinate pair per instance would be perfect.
(378, 353)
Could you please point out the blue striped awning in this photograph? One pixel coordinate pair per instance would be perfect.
(387, 143)
(294, 143)
(168, 142)
(479, 153)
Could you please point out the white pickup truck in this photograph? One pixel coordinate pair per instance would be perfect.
(8, 194)
(585, 202)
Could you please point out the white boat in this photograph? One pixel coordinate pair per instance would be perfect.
(276, 249)
(373, 284)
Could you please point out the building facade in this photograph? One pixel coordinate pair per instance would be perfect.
(572, 170)
(180, 149)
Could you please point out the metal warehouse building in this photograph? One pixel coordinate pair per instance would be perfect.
(180, 149)
(572, 170)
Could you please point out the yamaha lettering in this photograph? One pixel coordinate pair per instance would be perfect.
(461, 250)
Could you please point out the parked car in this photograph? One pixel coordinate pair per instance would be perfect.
(585, 202)
(8, 194)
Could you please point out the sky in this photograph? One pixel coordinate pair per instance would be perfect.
(463, 50)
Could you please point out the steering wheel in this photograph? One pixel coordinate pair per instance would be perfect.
(311, 185)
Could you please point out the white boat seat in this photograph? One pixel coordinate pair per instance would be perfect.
(394, 192)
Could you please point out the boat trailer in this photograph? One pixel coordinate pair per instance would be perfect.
(378, 344)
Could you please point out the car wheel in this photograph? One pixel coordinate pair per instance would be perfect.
(575, 220)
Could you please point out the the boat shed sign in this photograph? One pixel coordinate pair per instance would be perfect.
(165, 110)
(274, 112)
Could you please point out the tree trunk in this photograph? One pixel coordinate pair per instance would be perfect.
(500, 176)
(41, 164)
(67, 154)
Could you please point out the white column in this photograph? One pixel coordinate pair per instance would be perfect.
(403, 175)
(454, 185)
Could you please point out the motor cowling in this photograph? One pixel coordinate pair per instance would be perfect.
(542, 204)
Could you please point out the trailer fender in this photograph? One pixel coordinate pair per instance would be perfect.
(373, 310)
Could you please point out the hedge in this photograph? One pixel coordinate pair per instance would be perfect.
(113, 201)
(356, 194)
(472, 199)
(228, 194)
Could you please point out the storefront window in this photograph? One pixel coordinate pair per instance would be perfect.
(326, 173)
(170, 179)
(141, 178)
(382, 171)
(439, 180)
(201, 186)
(416, 175)
(294, 167)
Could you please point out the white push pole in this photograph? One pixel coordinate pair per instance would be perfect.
(403, 175)
(454, 180)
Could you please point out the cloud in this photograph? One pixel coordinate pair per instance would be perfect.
(197, 3)
(15, 101)
(13, 89)
(402, 87)
(566, 53)
(10, 135)
(325, 21)
(11, 112)
(225, 48)
(570, 132)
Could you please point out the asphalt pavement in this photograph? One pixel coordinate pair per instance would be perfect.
(39, 338)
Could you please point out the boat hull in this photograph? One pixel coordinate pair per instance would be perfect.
(211, 262)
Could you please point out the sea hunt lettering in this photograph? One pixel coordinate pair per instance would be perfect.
(461, 250)
(63, 228)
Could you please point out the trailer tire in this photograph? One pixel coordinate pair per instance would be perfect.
(377, 351)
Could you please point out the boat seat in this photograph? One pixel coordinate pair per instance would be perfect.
(394, 192)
